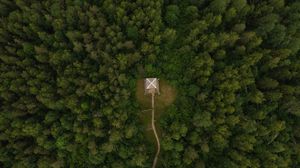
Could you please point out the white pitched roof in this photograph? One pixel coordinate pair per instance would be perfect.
(151, 83)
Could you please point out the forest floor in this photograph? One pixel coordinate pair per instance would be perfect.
(166, 97)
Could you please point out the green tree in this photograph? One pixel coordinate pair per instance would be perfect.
(172, 15)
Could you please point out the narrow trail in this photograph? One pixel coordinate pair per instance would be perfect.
(155, 133)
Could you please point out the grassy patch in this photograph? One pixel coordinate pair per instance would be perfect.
(166, 98)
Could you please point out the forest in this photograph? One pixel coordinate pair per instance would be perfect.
(69, 71)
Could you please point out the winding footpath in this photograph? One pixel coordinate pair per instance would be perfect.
(155, 133)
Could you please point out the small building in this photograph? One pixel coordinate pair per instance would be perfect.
(151, 85)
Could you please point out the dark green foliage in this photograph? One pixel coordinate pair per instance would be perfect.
(63, 76)
(172, 15)
(238, 79)
(132, 33)
(68, 68)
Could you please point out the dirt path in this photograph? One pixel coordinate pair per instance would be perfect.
(154, 111)
(155, 133)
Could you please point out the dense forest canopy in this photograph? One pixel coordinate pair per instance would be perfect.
(68, 72)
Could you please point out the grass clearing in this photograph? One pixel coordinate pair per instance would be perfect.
(166, 98)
